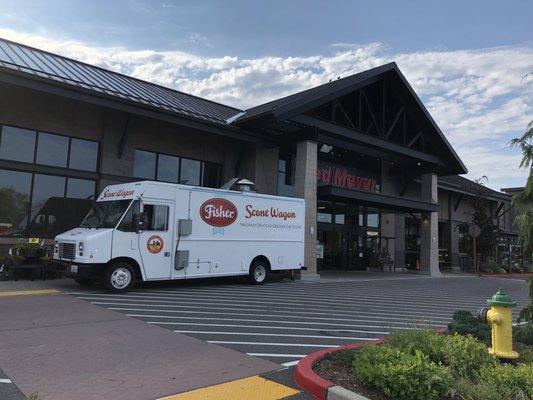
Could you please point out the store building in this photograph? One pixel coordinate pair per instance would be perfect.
(363, 151)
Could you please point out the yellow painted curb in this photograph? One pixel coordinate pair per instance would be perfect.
(29, 292)
(253, 388)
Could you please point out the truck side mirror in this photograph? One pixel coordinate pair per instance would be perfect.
(140, 222)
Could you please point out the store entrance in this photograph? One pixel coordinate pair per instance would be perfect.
(347, 237)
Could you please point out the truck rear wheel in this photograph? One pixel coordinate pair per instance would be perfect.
(119, 277)
(258, 273)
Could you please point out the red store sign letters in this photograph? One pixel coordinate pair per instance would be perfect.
(339, 176)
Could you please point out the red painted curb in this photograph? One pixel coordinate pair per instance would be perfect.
(313, 383)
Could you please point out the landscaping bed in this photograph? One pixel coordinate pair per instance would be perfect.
(425, 365)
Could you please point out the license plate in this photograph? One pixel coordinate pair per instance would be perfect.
(74, 269)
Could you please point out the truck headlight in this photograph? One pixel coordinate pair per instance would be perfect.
(56, 246)
(80, 249)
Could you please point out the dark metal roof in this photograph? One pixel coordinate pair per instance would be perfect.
(314, 93)
(298, 103)
(42, 64)
(457, 183)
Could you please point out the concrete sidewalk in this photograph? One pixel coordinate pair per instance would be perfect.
(65, 348)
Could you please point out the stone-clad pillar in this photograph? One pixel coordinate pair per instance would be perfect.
(429, 229)
(305, 187)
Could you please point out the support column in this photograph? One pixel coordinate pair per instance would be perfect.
(429, 229)
(399, 241)
(305, 187)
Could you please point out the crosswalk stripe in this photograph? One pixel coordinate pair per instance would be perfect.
(357, 339)
(366, 318)
(273, 344)
(294, 328)
(262, 321)
(276, 355)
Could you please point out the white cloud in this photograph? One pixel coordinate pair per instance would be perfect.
(477, 97)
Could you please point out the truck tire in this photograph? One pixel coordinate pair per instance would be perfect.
(119, 277)
(258, 273)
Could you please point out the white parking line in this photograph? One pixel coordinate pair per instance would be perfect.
(291, 363)
(174, 306)
(322, 295)
(325, 310)
(269, 321)
(274, 344)
(277, 355)
(379, 303)
(432, 323)
(357, 339)
(6, 381)
(292, 328)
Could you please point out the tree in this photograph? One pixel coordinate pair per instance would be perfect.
(487, 241)
(523, 202)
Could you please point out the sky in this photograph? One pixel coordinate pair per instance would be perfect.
(467, 60)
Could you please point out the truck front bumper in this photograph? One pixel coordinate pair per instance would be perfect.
(82, 271)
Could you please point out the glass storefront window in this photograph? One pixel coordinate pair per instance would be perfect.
(52, 150)
(14, 201)
(372, 218)
(324, 217)
(80, 188)
(190, 171)
(47, 203)
(167, 168)
(83, 154)
(17, 144)
(176, 170)
(212, 175)
(339, 218)
(144, 164)
(285, 184)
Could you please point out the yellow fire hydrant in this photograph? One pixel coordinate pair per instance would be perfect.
(500, 318)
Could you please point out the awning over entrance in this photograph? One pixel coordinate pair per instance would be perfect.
(379, 200)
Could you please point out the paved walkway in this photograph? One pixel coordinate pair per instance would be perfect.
(283, 321)
(64, 348)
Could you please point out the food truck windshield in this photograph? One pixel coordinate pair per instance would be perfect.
(105, 214)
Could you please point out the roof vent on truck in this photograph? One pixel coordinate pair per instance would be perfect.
(239, 184)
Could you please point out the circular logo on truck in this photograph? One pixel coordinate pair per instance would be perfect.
(155, 244)
(218, 212)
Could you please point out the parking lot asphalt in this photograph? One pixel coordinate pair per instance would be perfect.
(61, 347)
(282, 321)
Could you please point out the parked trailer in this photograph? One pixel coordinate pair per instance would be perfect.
(153, 231)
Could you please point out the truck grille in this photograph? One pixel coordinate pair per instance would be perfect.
(67, 250)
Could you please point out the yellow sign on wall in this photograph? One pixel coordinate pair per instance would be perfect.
(34, 240)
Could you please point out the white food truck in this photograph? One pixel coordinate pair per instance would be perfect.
(160, 231)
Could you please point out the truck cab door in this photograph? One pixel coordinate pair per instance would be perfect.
(156, 238)
(125, 238)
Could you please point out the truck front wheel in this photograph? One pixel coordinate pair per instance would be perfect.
(258, 273)
(119, 277)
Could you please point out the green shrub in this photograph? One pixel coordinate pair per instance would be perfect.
(505, 379)
(466, 390)
(526, 314)
(464, 355)
(526, 353)
(523, 333)
(464, 323)
(493, 268)
(400, 375)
